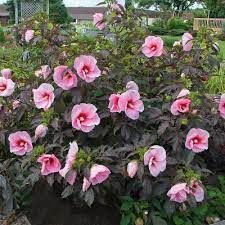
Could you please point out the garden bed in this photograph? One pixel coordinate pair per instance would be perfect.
(48, 208)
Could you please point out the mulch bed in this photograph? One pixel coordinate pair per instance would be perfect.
(49, 209)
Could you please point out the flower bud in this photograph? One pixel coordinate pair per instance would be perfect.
(6, 73)
(132, 168)
(41, 131)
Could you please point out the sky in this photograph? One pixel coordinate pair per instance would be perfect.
(77, 2)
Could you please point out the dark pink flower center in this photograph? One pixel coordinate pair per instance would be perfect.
(49, 161)
(45, 96)
(2, 87)
(196, 140)
(82, 117)
(153, 47)
(67, 76)
(86, 69)
(130, 105)
(21, 143)
(183, 106)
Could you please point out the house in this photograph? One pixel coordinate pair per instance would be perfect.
(84, 14)
(4, 15)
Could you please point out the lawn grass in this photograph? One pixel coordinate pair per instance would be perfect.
(222, 50)
(169, 40)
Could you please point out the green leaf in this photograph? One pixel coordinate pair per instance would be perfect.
(89, 197)
(126, 206)
(178, 221)
(67, 191)
(125, 220)
(158, 221)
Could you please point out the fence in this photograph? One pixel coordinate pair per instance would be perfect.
(214, 24)
(211, 23)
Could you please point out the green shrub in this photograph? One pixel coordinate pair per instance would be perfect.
(158, 30)
(176, 32)
(200, 13)
(2, 35)
(177, 23)
(158, 27)
(169, 40)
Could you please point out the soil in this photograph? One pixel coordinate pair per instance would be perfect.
(49, 209)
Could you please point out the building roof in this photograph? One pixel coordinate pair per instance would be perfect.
(3, 11)
(85, 13)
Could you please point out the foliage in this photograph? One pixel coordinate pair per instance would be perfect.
(169, 40)
(210, 212)
(117, 140)
(177, 23)
(200, 13)
(162, 210)
(216, 83)
(216, 8)
(2, 35)
(177, 6)
(175, 26)
(58, 12)
(133, 212)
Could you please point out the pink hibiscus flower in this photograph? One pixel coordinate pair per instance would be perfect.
(6, 73)
(197, 140)
(98, 174)
(68, 172)
(197, 191)
(84, 117)
(113, 103)
(29, 35)
(65, 78)
(180, 106)
(152, 47)
(20, 143)
(187, 42)
(222, 106)
(44, 96)
(131, 85)
(49, 164)
(98, 21)
(86, 67)
(6, 87)
(155, 159)
(178, 193)
(130, 103)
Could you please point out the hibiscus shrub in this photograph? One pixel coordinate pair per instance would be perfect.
(120, 115)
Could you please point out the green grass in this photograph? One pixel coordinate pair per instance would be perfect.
(169, 40)
(222, 50)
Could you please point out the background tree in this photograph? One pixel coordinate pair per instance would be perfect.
(216, 7)
(11, 9)
(57, 11)
(178, 6)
